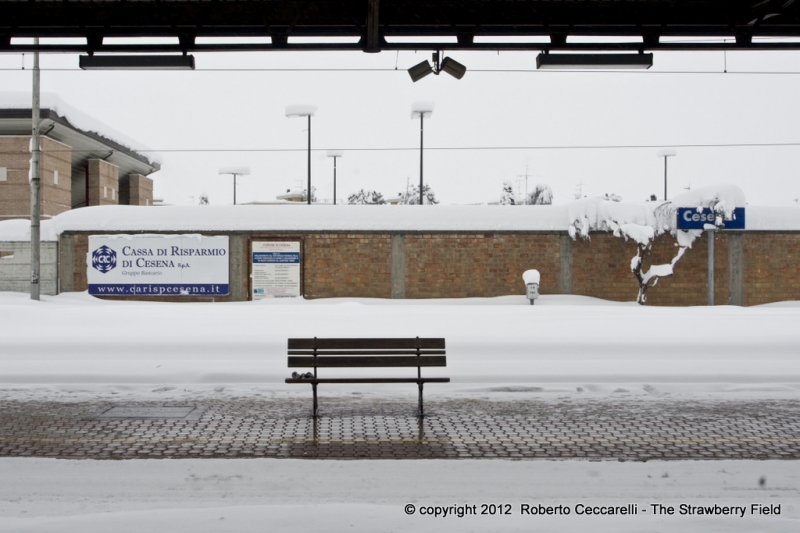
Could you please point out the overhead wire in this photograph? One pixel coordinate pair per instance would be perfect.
(454, 148)
(483, 71)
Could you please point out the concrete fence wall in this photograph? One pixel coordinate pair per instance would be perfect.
(15, 267)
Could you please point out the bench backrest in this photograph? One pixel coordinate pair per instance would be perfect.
(362, 353)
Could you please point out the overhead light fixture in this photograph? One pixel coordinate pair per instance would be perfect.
(137, 62)
(454, 68)
(421, 110)
(304, 110)
(451, 66)
(236, 171)
(420, 70)
(300, 110)
(593, 61)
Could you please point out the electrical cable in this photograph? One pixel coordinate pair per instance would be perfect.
(454, 148)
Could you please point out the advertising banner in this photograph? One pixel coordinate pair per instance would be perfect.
(157, 265)
(694, 218)
(276, 269)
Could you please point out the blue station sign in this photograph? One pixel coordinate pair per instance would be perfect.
(694, 218)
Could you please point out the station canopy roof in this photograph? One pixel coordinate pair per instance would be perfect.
(375, 25)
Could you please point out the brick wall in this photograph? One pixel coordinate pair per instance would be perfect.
(483, 265)
(347, 265)
(15, 191)
(771, 267)
(601, 268)
(467, 265)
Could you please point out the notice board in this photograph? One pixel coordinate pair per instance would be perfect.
(275, 269)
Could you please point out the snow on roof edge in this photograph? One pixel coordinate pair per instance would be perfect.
(317, 218)
(79, 120)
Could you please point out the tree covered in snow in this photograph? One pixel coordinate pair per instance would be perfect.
(203, 199)
(644, 222)
(412, 196)
(508, 197)
(363, 197)
(541, 195)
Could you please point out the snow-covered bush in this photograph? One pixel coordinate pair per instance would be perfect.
(644, 222)
(363, 197)
(412, 197)
(541, 195)
(508, 197)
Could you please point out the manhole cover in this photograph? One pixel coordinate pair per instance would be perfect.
(181, 412)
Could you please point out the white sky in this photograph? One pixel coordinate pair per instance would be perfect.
(244, 110)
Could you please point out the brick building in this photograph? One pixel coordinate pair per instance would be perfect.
(78, 168)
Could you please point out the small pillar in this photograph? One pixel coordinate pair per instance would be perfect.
(135, 189)
(102, 183)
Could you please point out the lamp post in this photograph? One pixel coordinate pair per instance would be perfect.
(334, 154)
(421, 110)
(236, 171)
(667, 152)
(302, 110)
(35, 179)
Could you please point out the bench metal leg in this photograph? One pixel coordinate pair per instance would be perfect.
(421, 412)
(314, 386)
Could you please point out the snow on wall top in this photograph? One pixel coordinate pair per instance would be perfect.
(399, 218)
(79, 119)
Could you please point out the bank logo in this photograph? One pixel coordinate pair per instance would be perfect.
(104, 259)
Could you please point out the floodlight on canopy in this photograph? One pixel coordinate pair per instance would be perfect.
(420, 70)
(449, 65)
(453, 67)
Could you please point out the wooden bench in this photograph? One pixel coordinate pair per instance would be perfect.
(366, 353)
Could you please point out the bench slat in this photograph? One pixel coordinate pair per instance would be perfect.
(366, 362)
(364, 344)
(369, 380)
(366, 352)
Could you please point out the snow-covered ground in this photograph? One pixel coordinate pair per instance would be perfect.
(48, 495)
(74, 342)
(74, 346)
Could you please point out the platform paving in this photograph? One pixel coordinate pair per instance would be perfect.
(372, 428)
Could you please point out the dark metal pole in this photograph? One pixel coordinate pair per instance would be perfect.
(35, 182)
(665, 178)
(309, 159)
(234, 189)
(334, 180)
(421, 129)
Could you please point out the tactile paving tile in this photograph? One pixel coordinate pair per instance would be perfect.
(351, 428)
